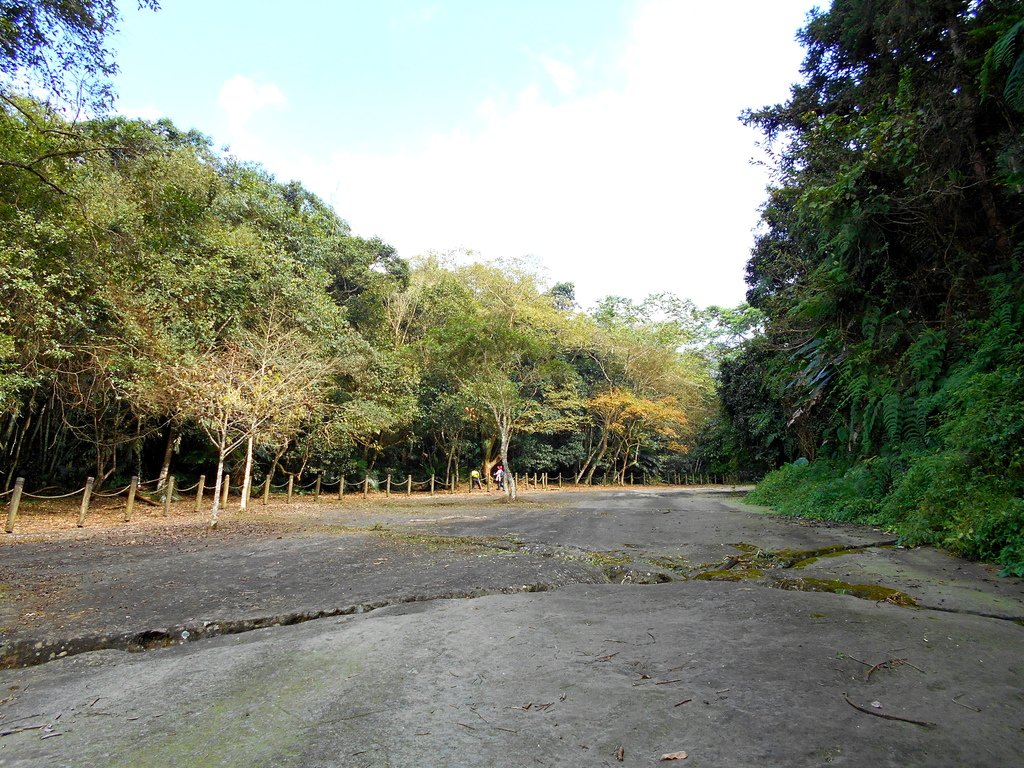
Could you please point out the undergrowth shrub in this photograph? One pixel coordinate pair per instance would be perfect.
(825, 489)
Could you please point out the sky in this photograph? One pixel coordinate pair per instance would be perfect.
(598, 139)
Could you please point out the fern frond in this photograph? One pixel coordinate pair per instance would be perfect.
(891, 416)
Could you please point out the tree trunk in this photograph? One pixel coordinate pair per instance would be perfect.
(276, 463)
(215, 511)
(247, 476)
(600, 457)
(165, 467)
(510, 478)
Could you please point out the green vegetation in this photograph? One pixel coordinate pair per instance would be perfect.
(165, 308)
(891, 367)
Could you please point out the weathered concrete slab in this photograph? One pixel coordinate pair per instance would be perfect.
(734, 673)
(560, 678)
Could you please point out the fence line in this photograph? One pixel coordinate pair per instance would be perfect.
(539, 481)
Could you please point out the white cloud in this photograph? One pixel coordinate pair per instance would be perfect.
(631, 190)
(562, 75)
(241, 98)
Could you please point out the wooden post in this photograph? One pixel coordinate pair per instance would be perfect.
(291, 487)
(366, 486)
(168, 493)
(132, 488)
(316, 490)
(266, 490)
(200, 487)
(387, 487)
(12, 510)
(341, 488)
(85, 501)
(225, 490)
(431, 485)
(559, 479)
(408, 486)
(630, 478)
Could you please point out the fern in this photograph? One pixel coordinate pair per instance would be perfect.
(915, 425)
(1007, 53)
(891, 416)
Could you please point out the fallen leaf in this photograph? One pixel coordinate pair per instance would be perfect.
(620, 754)
(876, 704)
(675, 756)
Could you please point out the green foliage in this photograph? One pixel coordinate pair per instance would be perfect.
(60, 44)
(153, 290)
(826, 489)
(1007, 55)
(888, 270)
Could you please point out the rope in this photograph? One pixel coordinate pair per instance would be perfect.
(190, 488)
(6, 493)
(112, 493)
(304, 487)
(62, 496)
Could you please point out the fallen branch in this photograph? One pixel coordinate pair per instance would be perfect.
(885, 716)
(22, 728)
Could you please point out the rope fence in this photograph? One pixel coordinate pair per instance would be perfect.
(167, 491)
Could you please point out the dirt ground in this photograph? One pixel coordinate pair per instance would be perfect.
(604, 627)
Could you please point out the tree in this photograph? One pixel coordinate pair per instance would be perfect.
(888, 259)
(260, 386)
(60, 45)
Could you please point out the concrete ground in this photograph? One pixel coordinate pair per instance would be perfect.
(606, 628)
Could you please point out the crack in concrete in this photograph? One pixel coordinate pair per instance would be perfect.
(27, 653)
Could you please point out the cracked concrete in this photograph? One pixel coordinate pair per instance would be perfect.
(550, 665)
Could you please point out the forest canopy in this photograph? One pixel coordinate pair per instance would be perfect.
(165, 304)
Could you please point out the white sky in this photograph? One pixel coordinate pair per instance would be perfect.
(617, 162)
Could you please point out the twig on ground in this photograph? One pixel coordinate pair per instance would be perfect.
(866, 711)
(965, 706)
(888, 664)
(684, 701)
